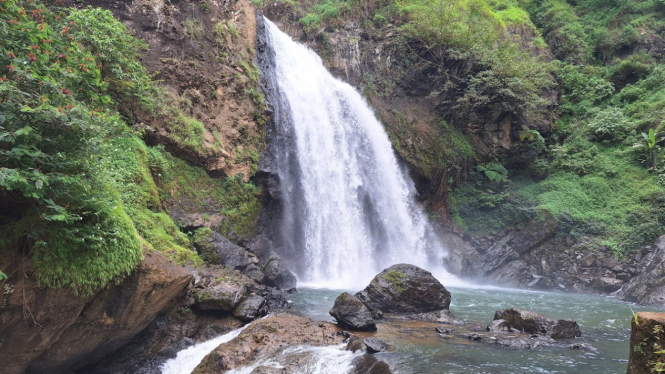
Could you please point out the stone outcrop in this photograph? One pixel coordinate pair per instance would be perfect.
(265, 337)
(529, 322)
(351, 313)
(406, 289)
(250, 308)
(52, 330)
(648, 288)
(278, 275)
(647, 338)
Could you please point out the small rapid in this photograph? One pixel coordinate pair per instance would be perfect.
(349, 210)
(189, 358)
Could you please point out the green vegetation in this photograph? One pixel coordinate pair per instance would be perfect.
(596, 172)
(80, 191)
(396, 279)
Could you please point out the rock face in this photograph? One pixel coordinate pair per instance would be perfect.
(646, 338)
(64, 332)
(278, 275)
(351, 313)
(404, 288)
(266, 337)
(533, 323)
(649, 287)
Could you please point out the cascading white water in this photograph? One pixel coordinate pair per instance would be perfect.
(349, 210)
(189, 358)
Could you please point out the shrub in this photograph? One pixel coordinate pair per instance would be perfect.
(609, 125)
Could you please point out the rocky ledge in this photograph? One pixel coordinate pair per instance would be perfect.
(285, 339)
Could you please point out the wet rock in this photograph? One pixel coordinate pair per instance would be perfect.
(375, 345)
(255, 273)
(533, 323)
(584, 347)
(265, 338)
(277, 275)
(351, 313)
(461, 255)
(646, 339)
(440, 316)
(405, 288)
(377, 314)
(648, 288)
(499, 325)
(604, 284)
(355, 344)
(250, 308)
(566, 329)
(368, 364)
(444, 330)
(222, 297)
(524, 320)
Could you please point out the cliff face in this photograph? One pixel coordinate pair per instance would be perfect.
(53, 330)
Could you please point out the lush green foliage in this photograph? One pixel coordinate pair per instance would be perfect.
(76, 188)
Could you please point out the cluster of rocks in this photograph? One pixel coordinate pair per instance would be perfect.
(522, 329)
(400, 291)
(534, 257)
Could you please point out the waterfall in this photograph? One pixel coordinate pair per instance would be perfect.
(348, 209)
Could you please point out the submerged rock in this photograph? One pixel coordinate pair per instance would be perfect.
(368, 364)
(351, 313)
(404, 288)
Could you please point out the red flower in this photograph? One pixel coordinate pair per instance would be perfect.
(13, 22)
(66, 91)
(3, 79)
(32, 57)
(69, 106)
(12, 55)
(57, 17)
(10, 68)
(59, 109)
(41, 27)
(63, 56)
(21, 12)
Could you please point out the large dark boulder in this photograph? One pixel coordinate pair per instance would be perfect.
(530, 322)
(221, 297)
(250, 308)
(404, 288)
(351, 313)
(278, 275)
(231, 255)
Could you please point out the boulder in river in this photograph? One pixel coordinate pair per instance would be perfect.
(533, 323)
(405, 288)
(351, 313)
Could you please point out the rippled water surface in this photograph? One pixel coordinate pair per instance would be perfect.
(417, 348)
